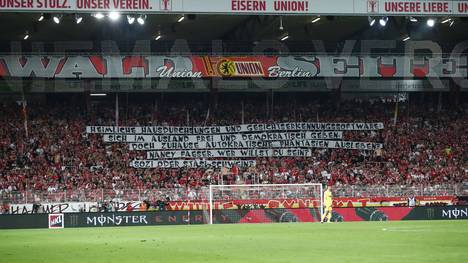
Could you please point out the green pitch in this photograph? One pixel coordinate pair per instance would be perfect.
(376, 242)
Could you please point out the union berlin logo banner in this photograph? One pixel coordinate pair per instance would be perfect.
(254, 7)
(229, 67)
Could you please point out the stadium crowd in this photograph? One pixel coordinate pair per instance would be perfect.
(427, 146)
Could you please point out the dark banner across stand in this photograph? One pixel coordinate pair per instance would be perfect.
(228, 216)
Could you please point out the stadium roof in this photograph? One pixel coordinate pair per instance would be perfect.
(239, 29)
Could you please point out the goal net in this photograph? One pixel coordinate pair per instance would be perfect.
(265, 203)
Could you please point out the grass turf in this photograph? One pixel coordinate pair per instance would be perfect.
(376, 242)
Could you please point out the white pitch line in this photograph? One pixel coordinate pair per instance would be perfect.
(404, 229)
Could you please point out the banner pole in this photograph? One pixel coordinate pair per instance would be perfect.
(272, 104)
(395, 118)
(25, 113)
(242, 105)
(117, 109)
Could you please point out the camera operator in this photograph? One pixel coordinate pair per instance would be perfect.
(161, 205)
(144, 206)
(35, 208)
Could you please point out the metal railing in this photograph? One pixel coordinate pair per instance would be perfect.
(97, 195)
(187, 194)
(400, 190)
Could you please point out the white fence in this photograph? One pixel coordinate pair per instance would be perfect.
(185, 194)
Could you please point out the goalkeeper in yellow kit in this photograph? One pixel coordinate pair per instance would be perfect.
(327, 201)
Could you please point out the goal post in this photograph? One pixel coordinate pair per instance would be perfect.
(211, 204)
(262, 203)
